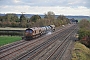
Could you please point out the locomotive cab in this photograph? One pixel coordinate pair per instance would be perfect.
(28, 33)
(31, 33)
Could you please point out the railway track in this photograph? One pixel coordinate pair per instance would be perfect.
(16, 51)
(36, 48)
(45, 54)
(30, 54)
(51, 52)
(11, 46)
(59, 51)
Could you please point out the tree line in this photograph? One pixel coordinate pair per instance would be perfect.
(84, 32)
(12, 20)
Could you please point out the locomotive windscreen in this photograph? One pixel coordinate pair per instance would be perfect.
(29, 30)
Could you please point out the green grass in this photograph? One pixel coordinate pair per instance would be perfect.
(80, 52)
(8, 39)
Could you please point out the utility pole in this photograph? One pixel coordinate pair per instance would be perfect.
(22, 12)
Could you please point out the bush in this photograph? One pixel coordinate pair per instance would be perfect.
(12, 33)
(84, 32)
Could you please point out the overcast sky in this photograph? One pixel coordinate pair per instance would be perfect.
(60, 7)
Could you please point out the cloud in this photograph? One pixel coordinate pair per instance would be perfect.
(42, 10)
(71, 7)
(16, 1)
(84, 3)
(64, 3)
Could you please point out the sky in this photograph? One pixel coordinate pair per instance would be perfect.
(59, 7)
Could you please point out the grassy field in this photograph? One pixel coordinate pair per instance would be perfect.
(80, 52)
(8, 39)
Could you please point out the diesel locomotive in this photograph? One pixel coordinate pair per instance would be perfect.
(34, 32)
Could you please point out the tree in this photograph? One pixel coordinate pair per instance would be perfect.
(22, 18)
(1, 18)
(62, 19)
(50, 15)
(84, 32)
(23, 21)
(11, 17)
(84, 23)
(34, 18)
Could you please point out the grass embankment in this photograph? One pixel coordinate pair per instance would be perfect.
(8, 39)
(80, 52)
